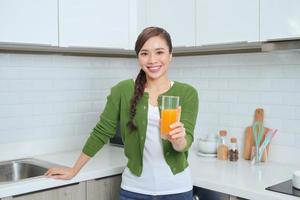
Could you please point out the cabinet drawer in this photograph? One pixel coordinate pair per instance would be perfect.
(70, 192)
(105, 188)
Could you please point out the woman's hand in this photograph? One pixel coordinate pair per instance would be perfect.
(68, 172)
(177, 136)
(61, 173)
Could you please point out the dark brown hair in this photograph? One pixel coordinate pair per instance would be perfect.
(140, 80)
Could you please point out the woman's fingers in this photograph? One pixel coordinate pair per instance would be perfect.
(60, 173)
(62, 176)
(176, 127)
(178, 131)
(49, 172)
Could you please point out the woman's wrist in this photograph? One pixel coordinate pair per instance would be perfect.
(179, 144)
(75, 170)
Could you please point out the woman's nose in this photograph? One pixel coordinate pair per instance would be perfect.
(151, 58)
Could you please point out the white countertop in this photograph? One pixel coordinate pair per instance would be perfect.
(236, 178)
(107, 162)
(240, 178)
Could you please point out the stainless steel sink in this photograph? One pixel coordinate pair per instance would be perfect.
(16, 170)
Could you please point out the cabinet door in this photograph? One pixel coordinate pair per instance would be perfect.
(227, 21)
(71, 192)
(176, 16)
(104, 188)
(29, 21)
(94, 23)
(279, 19)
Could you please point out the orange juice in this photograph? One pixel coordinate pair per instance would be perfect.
(168, 117)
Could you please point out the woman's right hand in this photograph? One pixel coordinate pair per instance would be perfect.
(61, 173)
(67, 172)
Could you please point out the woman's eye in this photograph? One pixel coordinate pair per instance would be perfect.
(143, 54)
(160, 52)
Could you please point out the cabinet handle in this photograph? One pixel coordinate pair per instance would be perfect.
(97, 48)
(24, 44)
(96, 179)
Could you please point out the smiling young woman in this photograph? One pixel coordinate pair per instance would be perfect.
(156, 167)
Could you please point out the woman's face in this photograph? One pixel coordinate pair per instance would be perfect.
(154, 58)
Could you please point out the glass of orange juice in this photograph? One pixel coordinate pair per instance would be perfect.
(169, 114)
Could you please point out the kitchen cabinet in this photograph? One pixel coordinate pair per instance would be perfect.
(116, 24)
(29, 21)
(227, 21)
(279, 19)
(94, 23)
(104, 188)
(176, 16)
(75, 192)
(203, 193)
(107, 188)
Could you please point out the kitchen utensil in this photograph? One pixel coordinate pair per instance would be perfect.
(266, 141)
(249, 137)
(257, 130)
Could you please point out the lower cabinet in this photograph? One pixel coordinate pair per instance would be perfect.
(105, 188)
(75, 191)
(206, 194)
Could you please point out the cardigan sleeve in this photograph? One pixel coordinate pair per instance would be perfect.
(106, 126)
(189, 112)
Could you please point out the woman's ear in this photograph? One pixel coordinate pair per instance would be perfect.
(171, 55)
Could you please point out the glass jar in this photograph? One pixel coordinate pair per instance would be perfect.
(233, 150)
(222, 150)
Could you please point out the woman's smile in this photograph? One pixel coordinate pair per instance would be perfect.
(154, 68)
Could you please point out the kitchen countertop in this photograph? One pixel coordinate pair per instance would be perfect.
(236, 178)
(107, 162)
(240, 178)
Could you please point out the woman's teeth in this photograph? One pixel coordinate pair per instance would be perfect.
(153, 69)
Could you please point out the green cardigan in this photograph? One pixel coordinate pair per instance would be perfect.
(117, 109)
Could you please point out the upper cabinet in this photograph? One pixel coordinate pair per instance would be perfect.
(176, 16)
(94, 23)
(227, 21)
(279, 19)
(29, 21)
(117, 23)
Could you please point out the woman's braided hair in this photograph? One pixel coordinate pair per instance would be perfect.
(140, 80)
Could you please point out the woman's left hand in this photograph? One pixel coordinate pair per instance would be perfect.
(177, 136)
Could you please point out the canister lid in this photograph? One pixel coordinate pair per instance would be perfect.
(223, 132)
(233, 140)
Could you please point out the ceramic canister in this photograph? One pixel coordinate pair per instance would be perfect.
(296, 179)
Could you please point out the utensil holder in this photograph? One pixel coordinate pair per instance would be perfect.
(259, 159)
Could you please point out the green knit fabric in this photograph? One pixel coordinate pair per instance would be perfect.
(117, 109)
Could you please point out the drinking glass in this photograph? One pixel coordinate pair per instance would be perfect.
(169, 114)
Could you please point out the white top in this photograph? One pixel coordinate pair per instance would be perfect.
(157, 177)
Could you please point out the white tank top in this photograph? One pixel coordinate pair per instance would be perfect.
(157, 177)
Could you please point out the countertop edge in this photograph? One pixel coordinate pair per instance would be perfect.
(105, 165)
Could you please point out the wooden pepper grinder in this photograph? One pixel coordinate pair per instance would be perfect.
(249, 139)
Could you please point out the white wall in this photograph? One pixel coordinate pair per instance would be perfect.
(231, 87)
(50, 103)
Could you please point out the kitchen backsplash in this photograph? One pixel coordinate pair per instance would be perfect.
(50, 103)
